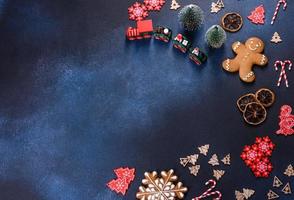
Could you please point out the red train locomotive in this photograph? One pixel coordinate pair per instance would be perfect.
(144, 29)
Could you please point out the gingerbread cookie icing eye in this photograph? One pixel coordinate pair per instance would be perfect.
(253, 47)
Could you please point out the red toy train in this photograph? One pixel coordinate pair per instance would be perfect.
(144, 30)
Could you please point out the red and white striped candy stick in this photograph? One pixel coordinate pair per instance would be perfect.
(284, 2)
(283, 70)
(209, 192)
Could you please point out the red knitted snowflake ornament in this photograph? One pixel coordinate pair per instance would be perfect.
(154, 4)
(256, 156)
(137, 12)
(257, 15)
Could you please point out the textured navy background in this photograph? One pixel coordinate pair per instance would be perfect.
(77, 100)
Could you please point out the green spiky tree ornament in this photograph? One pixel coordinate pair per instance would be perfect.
(191, 17)
(215, 36)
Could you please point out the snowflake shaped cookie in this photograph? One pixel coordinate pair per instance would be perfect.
(162, 188)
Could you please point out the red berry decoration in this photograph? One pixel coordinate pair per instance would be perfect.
(137, 12)
(256, 156)
(154, 4)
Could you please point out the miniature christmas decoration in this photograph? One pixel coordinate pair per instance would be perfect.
(254, 113)
(181, 43)
(265, 96)
(197, 56)
(277, 182)
(257, 15)
(213, 160)
(124, 177)
(246, 194)
(253, 105)
(204, 149)
(217, 6)
(287, 189)
(144, 30)
(286, 121)
(289, 171)
(174, 5)
(218, 174)
(209, 192)
(162, 33)
(194, 170)
(189, 159)
(227, 159)
(215, 36)
(276, 38)
(280, 2)
(154, 4)
(256, 156)
(247, 56)
(232, 22)
(161, 188)
(191, 17)
(284, 65)
(272, 195)
(137, 12)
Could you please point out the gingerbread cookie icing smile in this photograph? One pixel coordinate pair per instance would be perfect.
(247, 56)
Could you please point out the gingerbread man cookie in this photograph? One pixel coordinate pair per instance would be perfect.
(247, 56)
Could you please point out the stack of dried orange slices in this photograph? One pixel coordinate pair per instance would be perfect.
(253, 106)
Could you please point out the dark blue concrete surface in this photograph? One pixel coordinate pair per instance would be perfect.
(77, 100)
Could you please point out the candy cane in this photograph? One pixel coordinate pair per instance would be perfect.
(208, 192)
(283, 71)
(284, 2)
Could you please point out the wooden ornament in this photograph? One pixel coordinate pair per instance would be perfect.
(214, 8)
(248, 193)
(213, 160)
(174, 5)
(272, 195)
(194, 170)
(239, 195)
(184, 161)
(287, 189)
(155, 187)
(277, 182)
(204, 149)
(227, 159)
(276, 38)
(193, 159)
(289, 171)
(218, 174)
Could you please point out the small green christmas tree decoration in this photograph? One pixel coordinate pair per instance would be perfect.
(215, 36)
(191, 17)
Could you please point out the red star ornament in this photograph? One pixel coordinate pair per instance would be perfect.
(119, 186)
(137, 12)
(154, 4)
(257, 15)
(125, 173)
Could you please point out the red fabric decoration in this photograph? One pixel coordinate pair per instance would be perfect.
(124, 177)
(137, 12)
(256, 156)
(154, 4)
(286, 121)
(257, 15)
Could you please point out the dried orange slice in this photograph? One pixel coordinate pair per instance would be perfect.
(232, 22)
(254, 113)
(265, 96)
(244, 100)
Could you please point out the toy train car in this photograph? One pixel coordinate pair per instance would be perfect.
(162, 33)
(144, 29)
(181, 43)
(197, 56)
